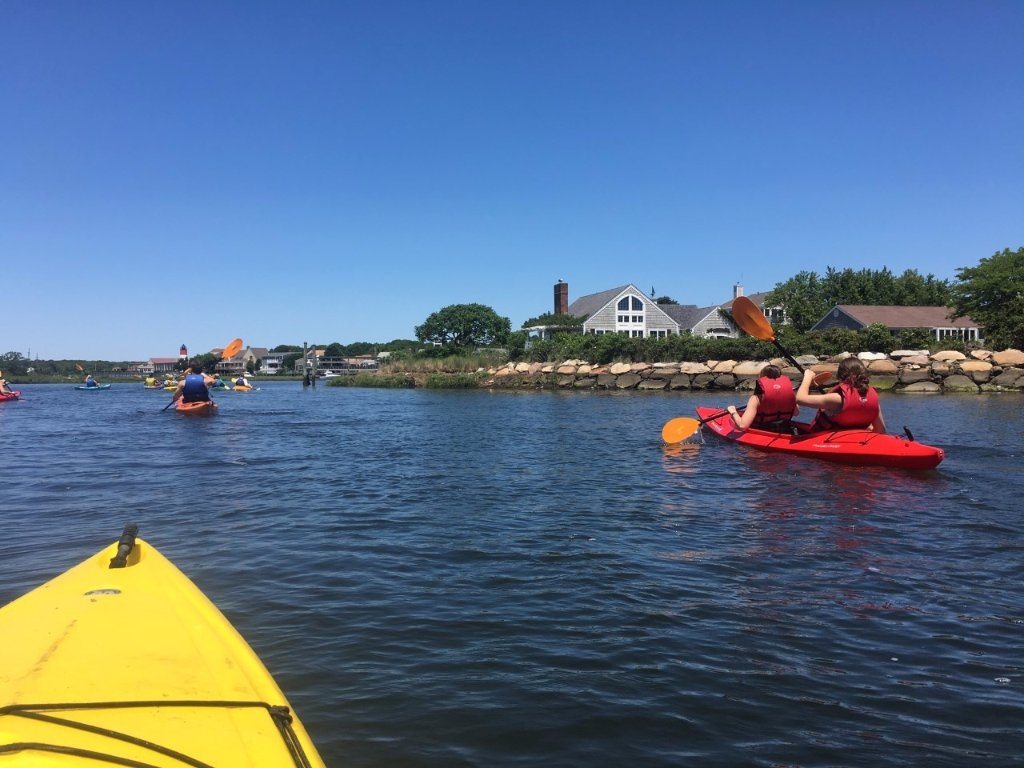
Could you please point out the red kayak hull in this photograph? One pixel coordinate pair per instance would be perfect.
(200, 408)
(856, 447)
(10, 395)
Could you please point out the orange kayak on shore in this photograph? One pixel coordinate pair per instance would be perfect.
(198, 408)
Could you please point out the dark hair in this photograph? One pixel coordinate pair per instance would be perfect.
(771, 371)
(197, 366)
(852, 372)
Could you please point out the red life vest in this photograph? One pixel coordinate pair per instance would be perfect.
(857, 412)
(777, 401)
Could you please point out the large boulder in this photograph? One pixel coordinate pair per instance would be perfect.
(749, 368)
(884, 366)
(694, 368)
(628, 381)
(922, 388)
(1010, 378)
(914, 375)
(959, 383)
(1008, 357)
(680, 381)
(978, 370)
(652, 384)
(899, 354)
(948, 355)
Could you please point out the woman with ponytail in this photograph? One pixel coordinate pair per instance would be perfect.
(850, 404)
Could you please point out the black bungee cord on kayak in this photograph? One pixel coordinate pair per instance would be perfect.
(280, 715)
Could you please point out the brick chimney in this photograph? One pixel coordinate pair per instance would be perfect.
(561, 298)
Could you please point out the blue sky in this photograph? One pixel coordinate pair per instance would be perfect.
(319, 171)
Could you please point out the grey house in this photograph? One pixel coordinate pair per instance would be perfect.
(935, 320)
(627, 310)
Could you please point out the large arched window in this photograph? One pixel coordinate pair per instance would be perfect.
(629, 317)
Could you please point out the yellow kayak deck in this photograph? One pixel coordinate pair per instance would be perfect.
(134, 666)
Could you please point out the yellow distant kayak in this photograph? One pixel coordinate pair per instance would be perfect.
(134, 666)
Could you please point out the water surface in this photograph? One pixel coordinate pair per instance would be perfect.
(526, 578)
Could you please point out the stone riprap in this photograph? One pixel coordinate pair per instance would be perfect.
(909, 371)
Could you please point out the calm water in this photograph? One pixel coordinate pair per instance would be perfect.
(520, 579)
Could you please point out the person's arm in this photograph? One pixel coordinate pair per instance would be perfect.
(744, 421)
(828, 401)
(878, 425)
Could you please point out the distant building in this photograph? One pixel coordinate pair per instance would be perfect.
(935, 320)
(628, 311)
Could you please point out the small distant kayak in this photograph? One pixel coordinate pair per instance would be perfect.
(857, 447)
(243, 387)
(5, 396)
(97, 388)
(199, 408)
(122, 660)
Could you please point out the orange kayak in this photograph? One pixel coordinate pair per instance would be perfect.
(199, 408)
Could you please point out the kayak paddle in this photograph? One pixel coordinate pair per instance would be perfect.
(754, 323)
(679, 429)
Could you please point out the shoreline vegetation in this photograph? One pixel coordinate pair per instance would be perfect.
(905, 371)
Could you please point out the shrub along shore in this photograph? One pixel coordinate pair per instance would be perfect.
(905, 371)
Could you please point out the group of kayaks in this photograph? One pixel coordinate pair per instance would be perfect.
(856, 447)
(122, 660)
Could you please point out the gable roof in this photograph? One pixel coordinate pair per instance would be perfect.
(687, 315)
(588, 305)
(757, 298)
(901, 317)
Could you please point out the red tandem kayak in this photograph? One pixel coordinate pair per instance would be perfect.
(858, 447)
(198, 408)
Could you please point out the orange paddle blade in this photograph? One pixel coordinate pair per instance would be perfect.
(821, 378)
(751, 319)
(231, 349)
(677, 430)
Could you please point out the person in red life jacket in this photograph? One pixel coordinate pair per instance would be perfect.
(195, 387)
(850, 404)
(773, 404)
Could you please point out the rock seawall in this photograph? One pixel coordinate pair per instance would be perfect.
(908, 371)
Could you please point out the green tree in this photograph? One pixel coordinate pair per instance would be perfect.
(992, 294)
(13, 363)
(464, 326)
(807, 296)
(551, 318)
(803, 299)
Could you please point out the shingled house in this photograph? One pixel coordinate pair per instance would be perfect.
(935, 320)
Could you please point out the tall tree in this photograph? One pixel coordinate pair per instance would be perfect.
(807, 296)
(465, 325)
(803, 299)
(992, 294)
